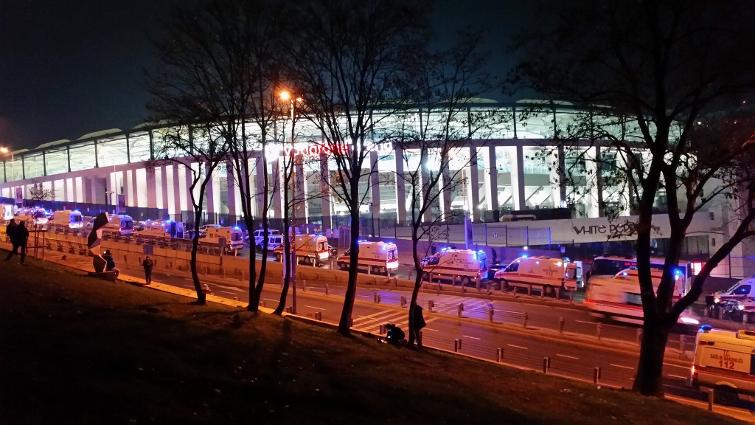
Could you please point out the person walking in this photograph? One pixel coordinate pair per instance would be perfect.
(419, 322)
(22, 237)
(12, 231)
(148, 264)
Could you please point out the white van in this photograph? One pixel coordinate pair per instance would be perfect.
(120, 224)
(724, 361)
(234, 237)
(310, 248)
(374, 257)
(260, 233)
(464, 265)
(540, 271)
(740, 297)
(67, 219)
(619, 297)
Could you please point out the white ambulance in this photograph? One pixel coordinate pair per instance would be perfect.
(737, 300)
(312, 249)
(154, 229)
(724, 361)
(540, 271)
(234, 238)
(374, 257)
(67, 219)
(462, 265)
(119, 224)
(619, 297)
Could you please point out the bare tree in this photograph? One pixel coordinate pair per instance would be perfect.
(37, 192)
(348, 61)
(218, 69)
(648, 75)
(445, 88)
(199, 150)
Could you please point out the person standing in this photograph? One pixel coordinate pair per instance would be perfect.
(419, 322)
(22, 237)
(12, 230)
(148, 264)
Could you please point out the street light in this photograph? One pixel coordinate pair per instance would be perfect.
(285, 96)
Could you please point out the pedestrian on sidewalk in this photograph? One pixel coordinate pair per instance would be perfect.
(22, 238)
(148, 264)
(11, 231)
(418, 320)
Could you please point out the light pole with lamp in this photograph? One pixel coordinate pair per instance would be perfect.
(5, 151)
(286, 96)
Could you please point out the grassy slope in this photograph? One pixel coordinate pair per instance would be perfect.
(79, 350)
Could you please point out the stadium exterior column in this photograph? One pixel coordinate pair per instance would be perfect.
(517, 178)
(231, 185)
(325, 191)
(151, 187)
(492, 180)
(400, 187)
(375, 189)
(259, 185)
(164, 186)
(473, 186)
(209, 195)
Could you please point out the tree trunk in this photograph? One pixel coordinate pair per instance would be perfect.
(254, 302)
(413, 304)
(287, 254)
(201, 297)
(649, 377)
(344, 325)
(263, 264)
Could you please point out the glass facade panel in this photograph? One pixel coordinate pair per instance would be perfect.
(459, 190)
(538, 163)
(577, 186)
(503, 161)
(139, 147)
(34, 166)
(387, 182)
(111, 152)
(313, 191)
(82, 157)
(56, 161)
(534, 122)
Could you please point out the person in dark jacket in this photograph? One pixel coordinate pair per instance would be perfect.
(22, 237)
(418, 320)
(109, 261)
(12, 231)
(148, 264)
(394, 335)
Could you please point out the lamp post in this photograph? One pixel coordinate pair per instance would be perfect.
(286, 96)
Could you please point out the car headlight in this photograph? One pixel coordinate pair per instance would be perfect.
(689, 321)
(717, 300)
(740, 306)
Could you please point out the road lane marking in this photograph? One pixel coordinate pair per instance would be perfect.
(675, 365)
(585, 321)
(567, 357)
(517, 346)
(471, 337)
(621, 366)
(314, 308)
(431, 330)
(678, 376)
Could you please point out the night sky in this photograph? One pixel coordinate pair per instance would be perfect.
(72, 67)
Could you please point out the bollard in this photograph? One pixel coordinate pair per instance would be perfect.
(711, 397)
(639, 336)
(318, 315)
(456, 345)
(546, 364)
(304, 285)
(524, 320)
(561, 322)
(745, 318)
(290, 309)
(460, 309)
(326, 289)
(381, 329)
(596, 376)
(403, 301)
(430, 305)
(681, 346)
(720, 313)
(499, 354)
(597, 330)
(491, 312)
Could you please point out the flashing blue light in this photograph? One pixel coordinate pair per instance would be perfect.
(705, 328)
(525, 256)
(480, 251)
(236, 228)
(678, 272)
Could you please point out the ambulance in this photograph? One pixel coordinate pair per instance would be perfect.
(734, 302)
(725, 362)
(67, 219)
(619, 297)
(312, 249)
(119, 224)
(462, 265)
(233, 236)
(32, 216)
(154, 229)
(374, 257)
(541, 271)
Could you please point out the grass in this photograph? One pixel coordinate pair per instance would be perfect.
(84, 351)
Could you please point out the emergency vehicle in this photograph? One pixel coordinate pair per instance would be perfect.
(606, 267)
(260, 233)
(120, 224)
(154, 229)
(67, 219)
(540, 271)
(619, 297)
(374, 257)
(463, 265)
(7, 212)
(234, 238)
(724, 361)
(311, 248)
(32, 216)
(735, 301)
